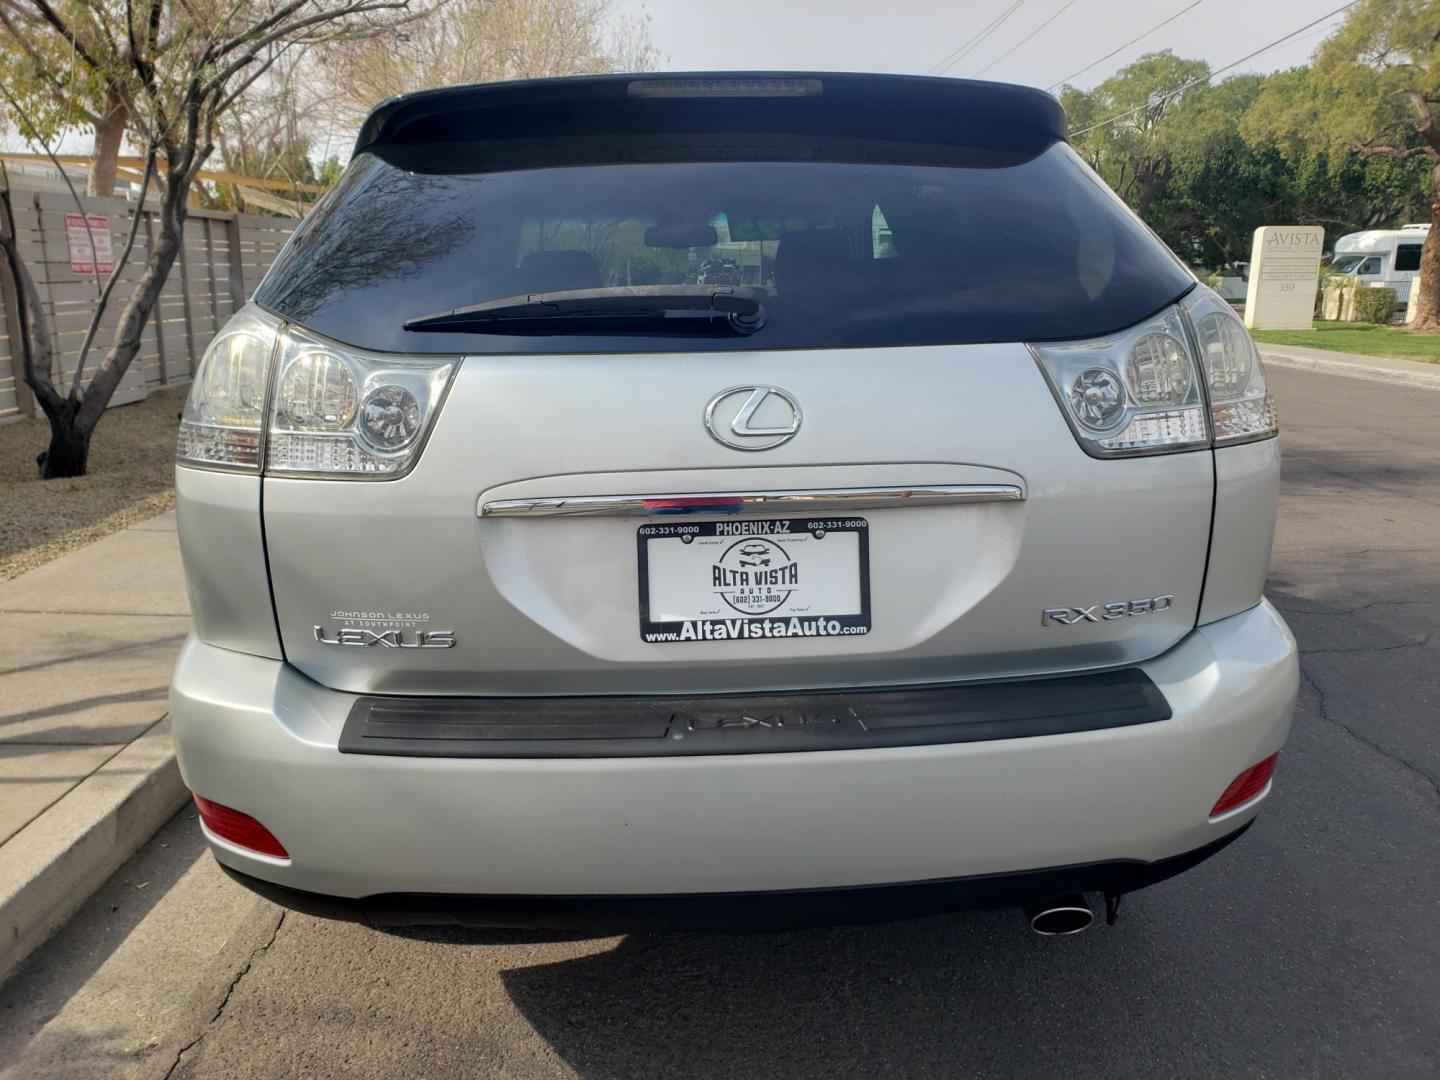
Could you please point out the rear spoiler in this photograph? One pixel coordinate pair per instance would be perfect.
(890, 108)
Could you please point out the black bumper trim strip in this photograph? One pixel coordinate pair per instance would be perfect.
(745, 911)
(559, 727)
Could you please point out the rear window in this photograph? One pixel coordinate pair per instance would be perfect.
(848, 254)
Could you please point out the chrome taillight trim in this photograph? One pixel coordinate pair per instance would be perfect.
(714, 503)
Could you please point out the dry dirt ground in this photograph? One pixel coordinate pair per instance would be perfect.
(132, 464)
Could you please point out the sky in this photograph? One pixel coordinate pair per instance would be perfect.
(912, 36)
(1051, 41)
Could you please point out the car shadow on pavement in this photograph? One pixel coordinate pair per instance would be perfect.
(951, 995)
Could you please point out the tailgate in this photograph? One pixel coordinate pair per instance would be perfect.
(442, 599)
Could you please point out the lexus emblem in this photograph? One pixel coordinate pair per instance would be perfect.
(752, 417)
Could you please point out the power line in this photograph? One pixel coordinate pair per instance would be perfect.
(1314, 33)
(964, 50)
(953, 53)
(1068, 5)
(1132, 41)
(973, 43)
(1151, 103)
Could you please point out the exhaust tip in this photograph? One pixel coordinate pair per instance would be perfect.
(1067, 915)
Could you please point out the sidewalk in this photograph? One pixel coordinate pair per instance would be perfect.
(1415, 373)
(86, 769)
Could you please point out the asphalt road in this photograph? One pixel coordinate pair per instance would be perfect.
(1308, 949)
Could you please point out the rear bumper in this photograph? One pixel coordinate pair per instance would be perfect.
(255, 735)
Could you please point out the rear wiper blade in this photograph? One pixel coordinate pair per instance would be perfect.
(638, 308)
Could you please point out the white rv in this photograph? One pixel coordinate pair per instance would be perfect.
(1389, 257)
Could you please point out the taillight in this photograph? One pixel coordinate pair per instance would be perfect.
(1145, 391)
(242, 830)
(308, 407)
(1241, 408)
(340, 414)
(1246, 786)
(1131, 393)
(225, 412)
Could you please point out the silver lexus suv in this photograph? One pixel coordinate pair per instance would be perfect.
(718, 500)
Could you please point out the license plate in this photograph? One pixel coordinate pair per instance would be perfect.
(754, 580)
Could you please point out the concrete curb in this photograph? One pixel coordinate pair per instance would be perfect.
(1391, 373)
(55, 863)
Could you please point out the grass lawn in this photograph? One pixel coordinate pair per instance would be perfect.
(1366, 339)
(132, 464)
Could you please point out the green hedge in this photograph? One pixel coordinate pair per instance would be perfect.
(1375, 305)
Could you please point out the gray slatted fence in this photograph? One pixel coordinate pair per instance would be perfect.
(222, 260)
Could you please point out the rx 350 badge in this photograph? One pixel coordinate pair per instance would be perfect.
(1119, 609)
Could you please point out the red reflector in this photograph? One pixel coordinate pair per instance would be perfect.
(1246, 786)
(242, 830)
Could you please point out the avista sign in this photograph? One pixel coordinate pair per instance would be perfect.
(1293, 238)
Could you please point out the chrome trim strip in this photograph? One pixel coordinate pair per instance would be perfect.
(754, 502)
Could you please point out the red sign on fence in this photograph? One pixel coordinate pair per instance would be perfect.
(85, 258)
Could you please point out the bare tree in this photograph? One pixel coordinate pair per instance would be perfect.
(178, 68)
(470, 41)
(268, 132)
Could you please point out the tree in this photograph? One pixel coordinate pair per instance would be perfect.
(39, 69)
(1325, 183)
(1129, 114)
(269, 134)
(470, 41)
(1207, 165)
(178, 68)
(1220, 187)
(1372, 91)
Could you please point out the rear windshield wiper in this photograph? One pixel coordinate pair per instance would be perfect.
(616, 309)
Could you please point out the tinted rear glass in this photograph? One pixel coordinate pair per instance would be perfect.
(1002, 248)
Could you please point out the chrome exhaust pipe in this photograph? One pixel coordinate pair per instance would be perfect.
(1066, 915)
